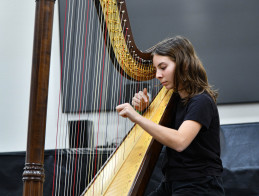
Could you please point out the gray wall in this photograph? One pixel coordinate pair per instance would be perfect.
(224, 34)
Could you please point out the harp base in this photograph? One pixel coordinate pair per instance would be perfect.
(33, 177)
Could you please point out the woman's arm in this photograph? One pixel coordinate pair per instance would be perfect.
(177, 140)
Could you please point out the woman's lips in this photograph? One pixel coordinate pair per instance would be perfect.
(164, 83)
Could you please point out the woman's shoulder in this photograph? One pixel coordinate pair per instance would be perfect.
(203, 104)
(202, 98)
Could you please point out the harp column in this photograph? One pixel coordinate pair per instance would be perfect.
(33, 175)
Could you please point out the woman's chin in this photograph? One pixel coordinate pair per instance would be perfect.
(168, 87)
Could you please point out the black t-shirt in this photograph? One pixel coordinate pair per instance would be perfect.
(202, 156)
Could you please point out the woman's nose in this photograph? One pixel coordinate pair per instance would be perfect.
(158, 74)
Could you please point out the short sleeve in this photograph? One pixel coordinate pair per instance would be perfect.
(200, 109)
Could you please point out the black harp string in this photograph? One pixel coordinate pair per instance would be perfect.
(86, 81)
(65, 67)
(98, 63)
(77, 60)
(60, 118)
(90, 40)
(107, 48)
(81, 58)
(124, 29)
(124, 90)
(73, 91)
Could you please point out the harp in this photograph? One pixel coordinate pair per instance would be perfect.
(134, 159)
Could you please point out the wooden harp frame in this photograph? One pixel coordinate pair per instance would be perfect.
(33, 175)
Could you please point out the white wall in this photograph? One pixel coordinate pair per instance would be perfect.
(239, 113)
(16, 41)
(16, 32)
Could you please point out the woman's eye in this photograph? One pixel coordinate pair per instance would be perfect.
(163, 68)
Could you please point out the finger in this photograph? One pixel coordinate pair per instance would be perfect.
(120, 107)
(126, 109)
(136, 106)
(143, 96)
(138, 95)
(136, 100)
(122, 113)
(145, 91)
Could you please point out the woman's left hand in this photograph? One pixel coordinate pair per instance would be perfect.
(127, 111)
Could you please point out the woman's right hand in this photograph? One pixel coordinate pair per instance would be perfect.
(141, 100)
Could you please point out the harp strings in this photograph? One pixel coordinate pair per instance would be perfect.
(90, 89)
(66, 92)
(60, 119)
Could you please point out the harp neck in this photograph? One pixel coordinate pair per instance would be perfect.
(126, 53)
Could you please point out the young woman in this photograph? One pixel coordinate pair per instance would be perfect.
(192, 164)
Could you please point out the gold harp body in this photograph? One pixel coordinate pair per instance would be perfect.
(134, 159)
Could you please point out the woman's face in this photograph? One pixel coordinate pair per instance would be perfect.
(165, 70)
